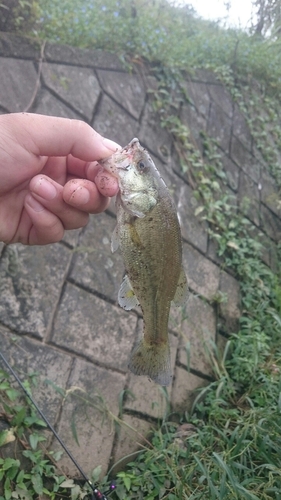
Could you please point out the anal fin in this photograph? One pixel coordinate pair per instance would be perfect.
(126, 295)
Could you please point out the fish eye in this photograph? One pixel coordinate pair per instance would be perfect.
(141, 166)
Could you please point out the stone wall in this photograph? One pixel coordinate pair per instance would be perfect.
(58, 304)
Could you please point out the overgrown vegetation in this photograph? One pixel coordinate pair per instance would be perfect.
(158, 32)
(32, 473)
(233, 450)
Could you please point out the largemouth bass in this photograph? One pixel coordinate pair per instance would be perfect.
(149, 236)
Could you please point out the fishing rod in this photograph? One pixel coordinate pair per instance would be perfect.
(97, 494)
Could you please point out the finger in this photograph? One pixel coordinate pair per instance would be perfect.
(93, 171)
(50, 195)
(106, 183)
(84, 195)
(53, 136)
(46, 227)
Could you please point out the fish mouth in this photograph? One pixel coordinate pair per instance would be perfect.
(122, 159)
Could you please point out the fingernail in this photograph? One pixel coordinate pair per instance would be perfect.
(111, 145)
(81, 196)
(45, 189)
(34, 204)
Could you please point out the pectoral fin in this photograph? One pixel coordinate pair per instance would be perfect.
(181, 294)
(126, 295)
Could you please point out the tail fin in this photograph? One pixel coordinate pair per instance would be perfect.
(152, 360)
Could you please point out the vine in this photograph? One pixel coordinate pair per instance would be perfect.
(236, 448)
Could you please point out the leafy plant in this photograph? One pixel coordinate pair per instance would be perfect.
(235, 450)
(34, 472)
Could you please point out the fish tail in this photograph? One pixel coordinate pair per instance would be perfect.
(153, 360)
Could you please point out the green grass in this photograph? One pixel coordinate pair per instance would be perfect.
(235, 450)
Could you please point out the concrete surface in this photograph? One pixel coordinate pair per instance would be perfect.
(58, 304)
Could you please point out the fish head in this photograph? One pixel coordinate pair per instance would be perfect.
(137, 176)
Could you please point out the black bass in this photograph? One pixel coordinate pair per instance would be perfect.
(149, 236)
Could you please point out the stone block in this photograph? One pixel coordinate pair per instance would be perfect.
(221, 97)
(270, 194)
(268, 246)
(76, 86)
(52, 368)
(60, 53)
(193, 229)
(230, 310)
(153, 136)
(270, 223)
(204, 75)
(113, 122)
(48, 104)
(232, 172)
(195, 122)
(244, 159)
(131, 437)
(185, 387)
(94, 265)
(31, 279)
(219, 127)
(259, 157)
(249, 198)
(198, 95)
(212, 252)
(71, 237)
(127, 90)
(149, 398)
(12, 45)
(202, 274)
(92, 399)
(198, 332)
(240, 128)
(93, 328)
(17, 83)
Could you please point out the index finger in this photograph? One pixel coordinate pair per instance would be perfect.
(53, 136)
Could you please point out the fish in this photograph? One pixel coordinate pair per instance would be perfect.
(148, 234)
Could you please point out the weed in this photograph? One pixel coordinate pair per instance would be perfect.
(34, 472)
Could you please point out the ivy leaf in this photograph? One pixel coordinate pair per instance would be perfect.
(10, 462)
(12, 394)
(33, 440)
(231, 244)
(198, 210)
(127, 482)
(68, 483)
(37, 483)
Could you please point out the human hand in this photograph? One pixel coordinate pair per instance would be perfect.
(49, 179)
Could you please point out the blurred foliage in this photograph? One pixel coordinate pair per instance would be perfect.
(18, 15)
(156, 31)
(267, 17)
